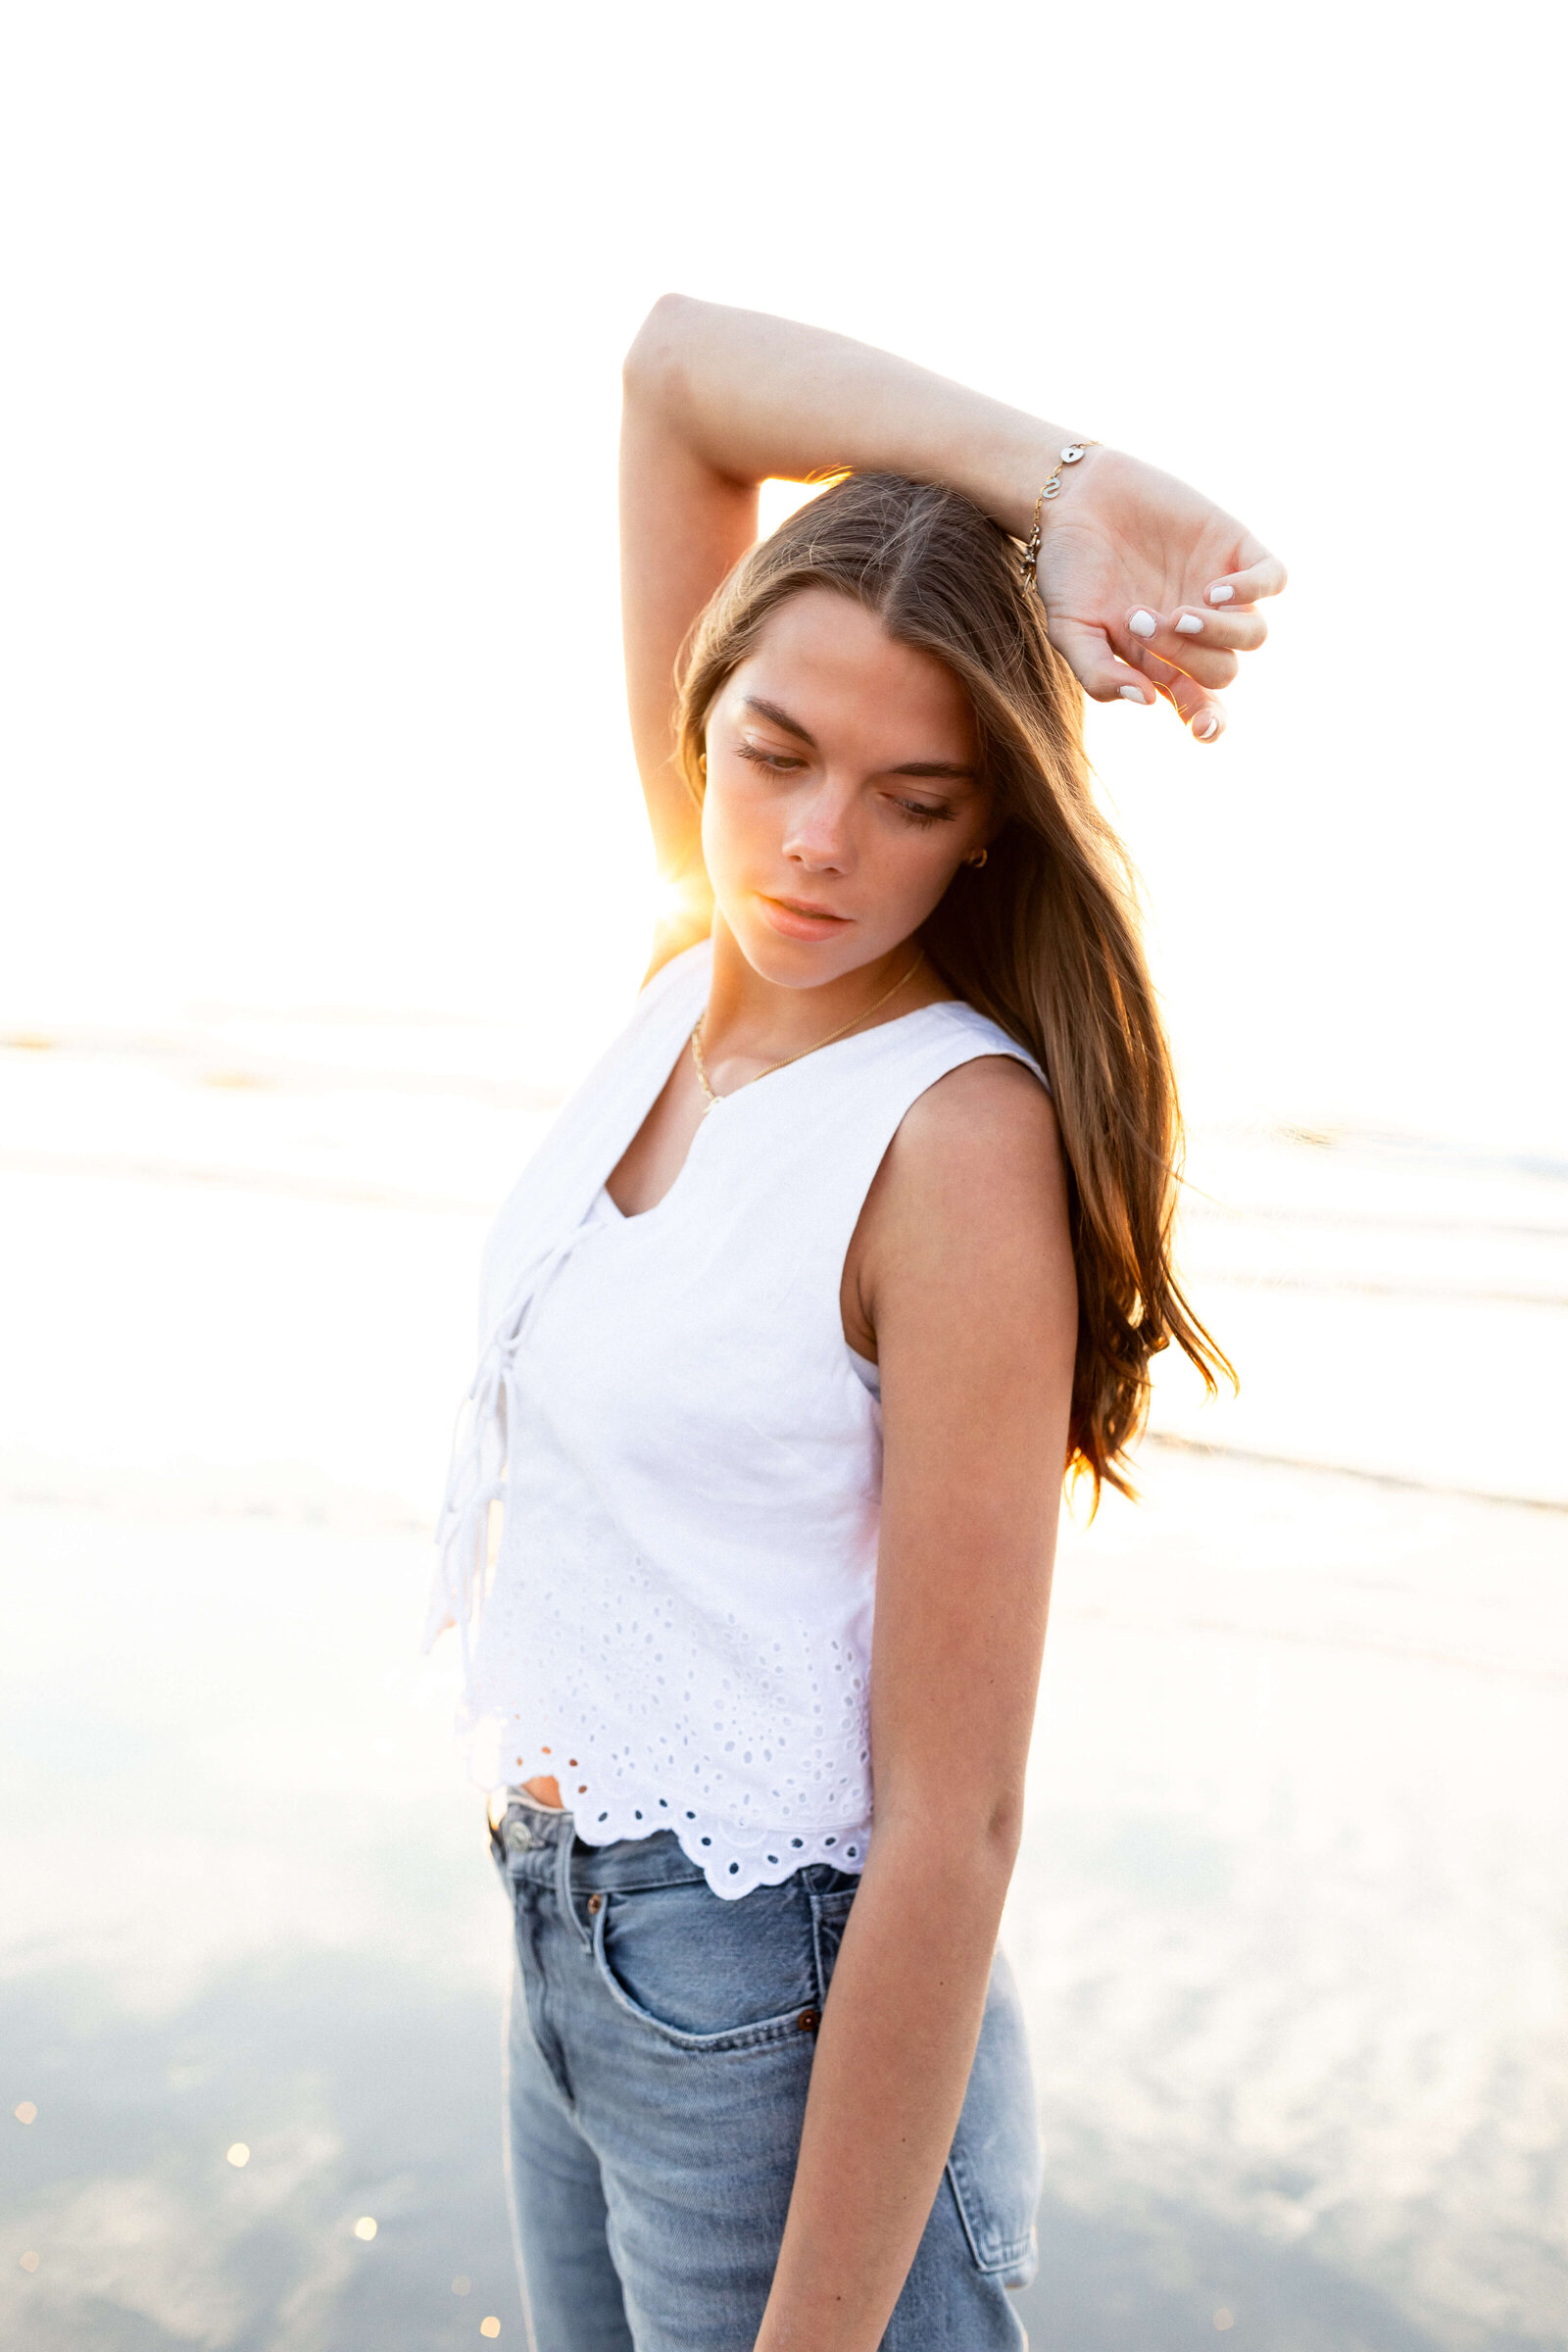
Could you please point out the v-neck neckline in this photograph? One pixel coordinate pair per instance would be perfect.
(721, 1102)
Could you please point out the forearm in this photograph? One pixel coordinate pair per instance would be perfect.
(754, 396)
(893, 2060)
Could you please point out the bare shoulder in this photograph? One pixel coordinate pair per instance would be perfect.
(989, 1127)
(968, 1219)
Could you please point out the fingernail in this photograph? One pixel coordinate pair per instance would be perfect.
(1143, 624)
(1190, 625)
(1206, 726)
(1222, 594)
(1133, 694)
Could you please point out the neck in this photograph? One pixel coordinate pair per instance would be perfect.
(752, 1022)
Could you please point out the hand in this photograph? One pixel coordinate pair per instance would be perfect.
(1144, 579)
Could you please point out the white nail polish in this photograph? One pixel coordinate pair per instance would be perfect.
(1133, 694)
(1222, 594)
(1207, 727)
(1190, 625)
(1143, 624)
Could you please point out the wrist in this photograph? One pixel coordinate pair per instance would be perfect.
(1014, 470)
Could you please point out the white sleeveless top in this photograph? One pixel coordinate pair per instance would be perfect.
(679, 1625)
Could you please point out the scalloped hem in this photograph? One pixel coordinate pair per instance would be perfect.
(733, 1860)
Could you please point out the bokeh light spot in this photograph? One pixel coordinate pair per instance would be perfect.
(30, 2262)
(239, 2155)
(1224, 2318)
(491, 2327)
(365, 2227)
(25, 2112)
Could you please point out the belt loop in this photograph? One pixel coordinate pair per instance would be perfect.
(567, 1842)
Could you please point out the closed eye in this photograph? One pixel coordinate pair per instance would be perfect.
(779, 763)
(926, 813)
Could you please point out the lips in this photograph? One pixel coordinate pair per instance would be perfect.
(825, 914)
(796, 919)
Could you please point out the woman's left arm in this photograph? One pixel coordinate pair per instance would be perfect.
(968, 1284)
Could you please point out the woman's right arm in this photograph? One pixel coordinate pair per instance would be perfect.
(717, 401)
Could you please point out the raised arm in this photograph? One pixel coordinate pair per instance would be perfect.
(1149, 587)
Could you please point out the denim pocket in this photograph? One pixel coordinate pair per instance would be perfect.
(709, 1975)
(830, 1916)
(993, 2164)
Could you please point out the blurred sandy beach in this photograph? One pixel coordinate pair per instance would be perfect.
(1293, 1905)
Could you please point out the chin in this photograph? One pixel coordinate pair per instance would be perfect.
(794, 963)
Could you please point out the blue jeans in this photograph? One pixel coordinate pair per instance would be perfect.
(658, 2055)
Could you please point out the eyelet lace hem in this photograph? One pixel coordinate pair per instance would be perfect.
(731, 1859)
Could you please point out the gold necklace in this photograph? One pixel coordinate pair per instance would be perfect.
(701, 1066)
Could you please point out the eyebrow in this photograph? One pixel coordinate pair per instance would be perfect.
(781, 718)
(933, 768)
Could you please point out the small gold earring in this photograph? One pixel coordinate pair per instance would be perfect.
(977, 858)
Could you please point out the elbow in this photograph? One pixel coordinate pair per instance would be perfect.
(1002, 1831)
(991, 1835)
(655, 358)
(980, 1830)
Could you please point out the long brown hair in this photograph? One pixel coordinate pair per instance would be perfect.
(1046, 937)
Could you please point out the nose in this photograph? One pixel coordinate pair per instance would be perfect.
(816, 836)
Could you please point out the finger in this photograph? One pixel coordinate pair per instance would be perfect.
(1262, 575)
(1235, 629)
(1147, 637)
(1203, 714)
(1088, 654)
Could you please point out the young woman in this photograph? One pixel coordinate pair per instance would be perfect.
(854, 1243)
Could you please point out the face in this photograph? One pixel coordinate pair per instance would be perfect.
(843, 791)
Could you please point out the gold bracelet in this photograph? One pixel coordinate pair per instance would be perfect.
(1049, 489)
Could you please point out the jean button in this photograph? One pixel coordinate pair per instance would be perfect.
(596, 1903)
(519, 1836)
